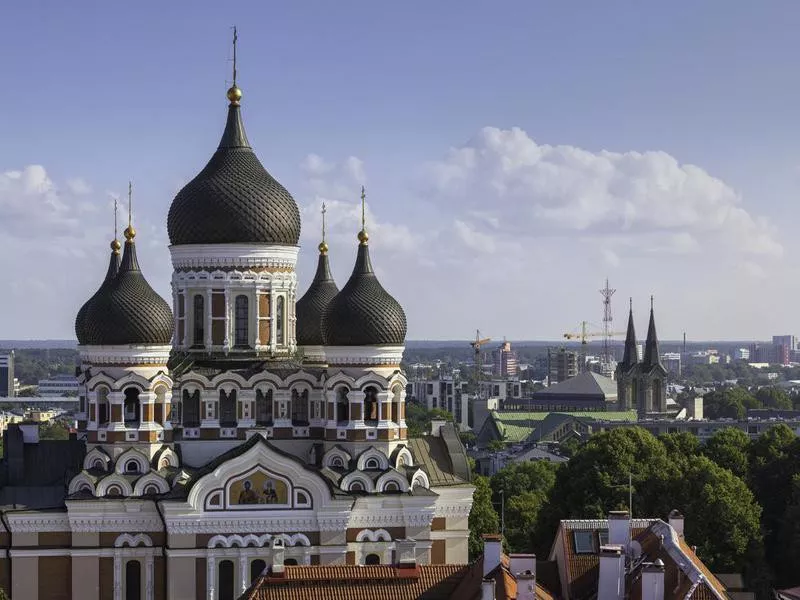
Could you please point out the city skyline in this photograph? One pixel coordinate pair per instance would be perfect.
(512, 159)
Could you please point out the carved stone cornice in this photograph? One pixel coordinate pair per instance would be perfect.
(228, 525)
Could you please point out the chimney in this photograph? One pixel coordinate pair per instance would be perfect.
(406, 553)
(14, 453)
(487, 589)
(492, 552)
(619, 528)
(611, 584)
(676, 522)
(30, 432)
(653, 581)
(526, 586)
(436, 425)
(521, 563)
(278, 557)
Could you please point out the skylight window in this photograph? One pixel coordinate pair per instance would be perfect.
(584, 542)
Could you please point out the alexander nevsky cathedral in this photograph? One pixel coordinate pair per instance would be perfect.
(250, 424)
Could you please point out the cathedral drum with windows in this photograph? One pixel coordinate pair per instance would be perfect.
(244, 427)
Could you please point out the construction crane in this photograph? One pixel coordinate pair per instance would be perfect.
(583, 335)
(476, 347)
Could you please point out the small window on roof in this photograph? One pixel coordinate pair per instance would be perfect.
(602, 538)
(584, 542)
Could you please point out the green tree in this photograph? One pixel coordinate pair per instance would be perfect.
(525, 488)
(723, 516)
(55, 430)
(595, 481)
(774, 397)
(730, 449)
(666, 473)
(680, 446)
(774, 467)
(482, 517)
(496, 445)
(418, 418)
(728, 403)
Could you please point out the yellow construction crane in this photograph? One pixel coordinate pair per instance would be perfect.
(476, 347)
(583, 335)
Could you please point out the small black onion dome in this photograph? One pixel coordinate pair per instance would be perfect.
(128, 311)
(311, 307)
(111, 273)
(234, 199)
(363, 313)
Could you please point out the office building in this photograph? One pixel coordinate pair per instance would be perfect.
(504, 361)
(562, 364)
(59, 385)
(7, 381)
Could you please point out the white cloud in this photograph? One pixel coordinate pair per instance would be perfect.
(78, 186)
(54, 249)
(535, 189)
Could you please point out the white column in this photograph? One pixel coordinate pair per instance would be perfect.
(149, 576)
(272, 334)
(243, 570)
(175, 341)
(257, 318)
(185, 318)
(209, 320)
(210, 576)
(227, 341)
(117, 575)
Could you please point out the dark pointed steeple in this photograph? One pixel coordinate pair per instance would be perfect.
(311, 307)
(630, 357)
(363, 313)
(128, 311)
(651, 355)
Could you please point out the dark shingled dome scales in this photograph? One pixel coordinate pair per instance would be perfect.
(363, 313)
(80, 320)
(234, 199)
(311, 307)
(128, 311)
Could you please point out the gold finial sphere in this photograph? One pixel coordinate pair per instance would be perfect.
(234, 94)
(323, 248)
(363, 236)
(115, 246)
(130, 233)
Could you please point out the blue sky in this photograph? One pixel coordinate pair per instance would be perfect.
(97, 93)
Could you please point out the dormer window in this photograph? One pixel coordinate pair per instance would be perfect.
(584, 542)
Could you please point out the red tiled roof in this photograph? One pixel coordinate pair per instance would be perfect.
(371, 582)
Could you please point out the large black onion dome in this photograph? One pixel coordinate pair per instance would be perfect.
(310, 309)
(111, 273)
(234, 199)
(128, 311)
(363, 313)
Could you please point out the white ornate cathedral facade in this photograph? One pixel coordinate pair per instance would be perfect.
(244, 427)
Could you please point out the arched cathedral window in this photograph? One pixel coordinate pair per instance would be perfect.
(242, 337)
(102, 405)
(133, 579)
(299, 407)
(191, 408)
(131, 407)
(199, 319)
(370, 404)
(263, 407)
(227, 408)
(342, 406)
